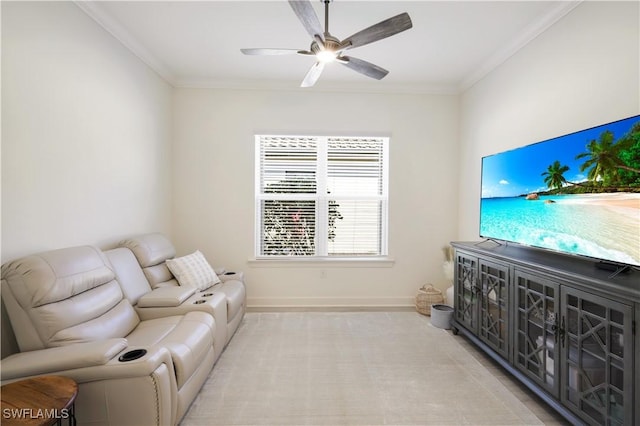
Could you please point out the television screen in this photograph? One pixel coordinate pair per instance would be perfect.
(576, 194)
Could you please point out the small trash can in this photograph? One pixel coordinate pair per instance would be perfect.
(441, 316)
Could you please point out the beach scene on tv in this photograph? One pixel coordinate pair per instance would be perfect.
(578, 193)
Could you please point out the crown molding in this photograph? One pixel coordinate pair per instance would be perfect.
(113, 27)
(527, 35)
(323, 86)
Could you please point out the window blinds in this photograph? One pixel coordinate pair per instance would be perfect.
(321, 196)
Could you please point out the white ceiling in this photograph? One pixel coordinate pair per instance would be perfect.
(451, 46)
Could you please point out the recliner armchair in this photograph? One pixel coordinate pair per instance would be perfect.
(70, 318)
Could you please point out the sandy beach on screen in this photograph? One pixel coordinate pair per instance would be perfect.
(622, 202)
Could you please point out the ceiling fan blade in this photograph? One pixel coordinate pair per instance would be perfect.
(313, 75)
(306, 15)
(364, 67)
(269, 51)
(379, 31)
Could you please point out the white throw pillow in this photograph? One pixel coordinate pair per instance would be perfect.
(193, 270)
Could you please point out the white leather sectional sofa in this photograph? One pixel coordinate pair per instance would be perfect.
(139, 343)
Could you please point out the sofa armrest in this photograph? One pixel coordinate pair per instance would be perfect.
(45, 361)
(106, 383)
(165, 297)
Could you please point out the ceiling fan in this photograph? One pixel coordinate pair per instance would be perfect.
(327, 48)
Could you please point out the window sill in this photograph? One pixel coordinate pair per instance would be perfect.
(342, 262)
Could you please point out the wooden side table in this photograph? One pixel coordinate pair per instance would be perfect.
(39, 401)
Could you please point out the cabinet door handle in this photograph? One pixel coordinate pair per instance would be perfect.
(562, 332)
(554, 329)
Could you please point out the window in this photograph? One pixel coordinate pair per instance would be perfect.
(321, 196)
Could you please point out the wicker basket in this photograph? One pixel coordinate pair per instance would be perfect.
(427, 296)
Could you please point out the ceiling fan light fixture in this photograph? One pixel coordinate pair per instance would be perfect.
(326, 56)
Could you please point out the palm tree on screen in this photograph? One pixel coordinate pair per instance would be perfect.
(630, 155)
(604, 159)
(554, 175)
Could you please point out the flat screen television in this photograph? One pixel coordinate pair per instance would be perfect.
(577, 194)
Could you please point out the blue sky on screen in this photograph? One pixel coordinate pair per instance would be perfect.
(517, 172)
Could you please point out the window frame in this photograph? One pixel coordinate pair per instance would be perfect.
(321, 227)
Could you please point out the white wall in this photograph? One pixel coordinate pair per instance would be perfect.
(85, 133)
(214, 187)
(582, 72)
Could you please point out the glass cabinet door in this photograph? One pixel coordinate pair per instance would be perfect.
(466, 291)
(597, 378)
(494, 303)
(535, 343)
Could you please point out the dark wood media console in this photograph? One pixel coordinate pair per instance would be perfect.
(563, 327)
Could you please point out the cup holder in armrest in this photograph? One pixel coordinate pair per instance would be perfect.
(199, 301)
(131, 355)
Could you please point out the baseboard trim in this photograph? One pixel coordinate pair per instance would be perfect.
(330, 303)
(330, 308)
